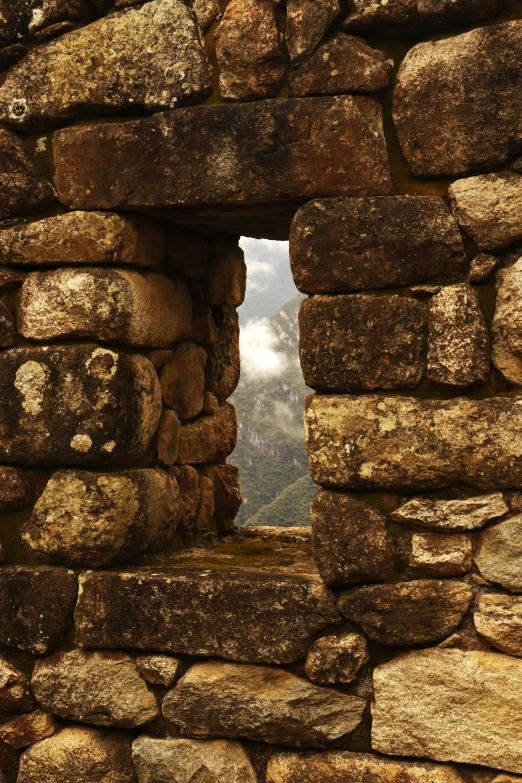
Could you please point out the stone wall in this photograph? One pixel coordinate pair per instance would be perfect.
(145, 639)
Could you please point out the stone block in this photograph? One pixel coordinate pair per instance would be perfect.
(182, 380)
(336, 657)
(159, 669)
(224, 281)
(28, 729)
(15, 491)
(402, 15)
(15, 693)
(209, 438)
(23, 190)
(452, 515)
(439, 554)
(507, 323)
(168, 437)
(499, 554)
(498, 618)
(187, 253)
(223, 366)
(306, 23)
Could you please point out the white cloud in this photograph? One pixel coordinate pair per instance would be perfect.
(263, 259)
(259, 359)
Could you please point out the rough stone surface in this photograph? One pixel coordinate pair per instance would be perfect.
(348, 244)
(343, 64)
(95, 519)
(481, 267)
(79, 755)
(159, 669)
(439, 554)
(7, 327)
(224, 281)
(452, 515)
(238, 154)
(465, 707)
(467, 87)
(498, 618)
(13, 20)
(23, 190)
(209, 438)
(226, 490)
(84, 238)
(507, 323)
(185, 761)
(458, 343)
(182, 380)
(216, 699)
(15, 492)
(15, 693)
(357, 442)
(109, 305)
(36, 607)
(168, 437)
(79, 404)
(368, 16)
(350, 540)
(144, 58)
(28, 729)
(243, 615)
(206, 11)
(249, 51)
(336, 657)
(47, 13)
(187, 253)
(223, 366)
(306, 23)
(341, 766)
(499, 554)
(188, 484)
(358, 342)
(103, 688)
(420, 612)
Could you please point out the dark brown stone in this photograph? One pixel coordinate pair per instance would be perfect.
(28, 729)
(47, 13)
(188, 485)
(23, 190)
(14, 16)
(348, 244)
(54, 30)
(187, 253)
(420, 612)
(405, 15)
(36, 607)
(167, 438)
(223, 363)
(206, 11)
(182, 380)
(336, 657)
(11, 55)
(306, 23)
(15, 693)
(343, 64)
(15, 492)
(224, 282)
(350, 540)
(226, 490)
(481, 267)
(208, 438)
(233, 154)
(7, 327)
(358, 342)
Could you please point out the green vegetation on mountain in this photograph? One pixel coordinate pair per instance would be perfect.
(291, 508)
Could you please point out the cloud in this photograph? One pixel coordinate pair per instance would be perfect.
(264, 257)
(259, 359)
(286, 420)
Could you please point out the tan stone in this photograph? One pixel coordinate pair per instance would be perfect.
(452, 515)
(15, 693)
(159, 669)
(481, 267)
(498, 618)
(28, 729)
(209, 438)
(23, 190)
(336, 657)
(306, 23)
(182, 380)
(206, 11)
(168, 437)
(439, 554)
(507, 323)
(499, 554)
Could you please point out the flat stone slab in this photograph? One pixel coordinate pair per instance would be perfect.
(231, 154)
(451, 515)
(367, 16)
(401, 442)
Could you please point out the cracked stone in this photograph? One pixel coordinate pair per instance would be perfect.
(499, 554)
(336, 657)
(452, 515)
(209, 438)
(28, 729)
(439, 554)
(306, 23)
(498, 618)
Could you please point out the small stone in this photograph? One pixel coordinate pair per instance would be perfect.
(306, 23)
(224, 282)
(159, 669)
(367, 16)
(15, 492)
(499, 554)
(223, 366)
(206, 12)
(103, 688)
(481, 267)
(450, 705)
(249, 51)
(336, 657)
(154, 52)
(96, 519)
(358, 342)
(54, 30)
(11, 55)
(209, 438)
(79, 755)
(350, 540)
(439, 554)
(184, 761)
(51, 12)
(343, 64)
(187, 253)
(458, 343)
(182, 380)
(188, 484)
(7, 327)
(15, 693)
(84, 238)
(168, 437)
(226, 490)
(216, 699)
(507, 323)
(28, 729)
(452, 515)
(339, 244)
(210, 404)
(23, 190)
(424, 290)
(498, 618)
(420, 612)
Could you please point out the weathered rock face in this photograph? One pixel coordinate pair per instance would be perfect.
(288, 149)
(159, 669)
(15, 492)
(419, 612)
(474, 107)
(223, 360)
(350, 540)
(349, 244)
(226, 490)
(249, 51)
(241, 615)
(481, 267)
(499, 555)
(23, 190)
(498, 618)
(224, 281)
(209, 438)
(358, 342)
(84, 238)
(167, 438)
(103, 688)
(206, 11)
(79, 754)
(182, 380)
(78, 404)
(149, 58)
(366, 16)
(109, 305)
(464, 707)
(28, 729)
(36, 607)
(458, 345)
(336, 657)
(218, 699)
(47, 13)
(95, 519)
(184, 760)
(342, 64)
(507, 323)
(438, 554)
(356, 442)
(187, 253)
(15, 693)
(452, 515)
(7, 327)
(306, 23)
(339, 766)
(13, 20)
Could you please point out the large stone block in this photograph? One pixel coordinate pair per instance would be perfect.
(223, 363)
(78, 404)
(358, 342)
(401, 442)
(499, 554)
(259, 152)
(403, 15)
(498, 618)
(108, 305)
(209, 438)
(349, 244)
(23, 190)
(451, 515)
(239, 614)
(449, 705)
(149, 58)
